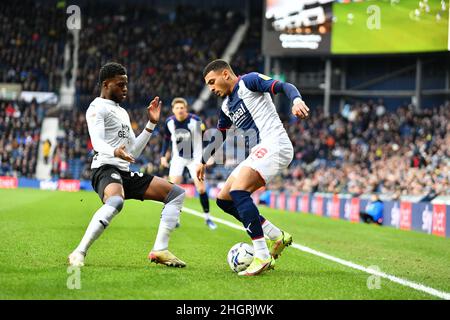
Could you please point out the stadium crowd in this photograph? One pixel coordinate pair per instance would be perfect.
(362, 149)
(32, 44)
(164, 56)
(365, 149)
(20, 126)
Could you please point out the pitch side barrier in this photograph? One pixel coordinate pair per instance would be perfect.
(407, 213)
(70, 185)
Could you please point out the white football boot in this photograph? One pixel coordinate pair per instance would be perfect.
(76, 259)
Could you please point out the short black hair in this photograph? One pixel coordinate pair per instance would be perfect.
(216, 65)
(110, 70)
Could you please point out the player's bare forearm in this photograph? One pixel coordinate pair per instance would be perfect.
(164, 162)
(210, 162)
(210, 149)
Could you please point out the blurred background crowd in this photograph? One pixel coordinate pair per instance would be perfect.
(363, 148)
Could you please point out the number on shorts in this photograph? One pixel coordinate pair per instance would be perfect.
(260, 152)
(140, 174)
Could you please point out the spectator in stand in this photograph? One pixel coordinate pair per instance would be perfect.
(46, 147)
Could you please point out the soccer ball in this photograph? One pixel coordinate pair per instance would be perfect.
(240, 256)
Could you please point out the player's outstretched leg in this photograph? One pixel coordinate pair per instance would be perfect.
(101, 219)
(228, 207)
(250, 218)
(176, 179)
(277, 239)
(172, 196)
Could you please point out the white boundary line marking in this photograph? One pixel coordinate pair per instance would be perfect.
(403, 282)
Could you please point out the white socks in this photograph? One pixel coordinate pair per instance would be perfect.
(270, 230)
(260, 247)
(169, 217)
(101, 219)
(162, 238)
(112, 206)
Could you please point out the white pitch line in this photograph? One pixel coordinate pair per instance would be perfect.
(403, 282)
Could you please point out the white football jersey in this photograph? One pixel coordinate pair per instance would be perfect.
(250, 108)
(109, 128)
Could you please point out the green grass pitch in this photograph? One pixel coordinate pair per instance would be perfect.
(38, 229)
(400, 30)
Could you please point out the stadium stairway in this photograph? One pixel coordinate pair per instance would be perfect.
(67, 90)
(49, 131)
(228, 54)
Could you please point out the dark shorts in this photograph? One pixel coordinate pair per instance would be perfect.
(134, 183)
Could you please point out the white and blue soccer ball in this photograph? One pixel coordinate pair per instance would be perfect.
(240, 256)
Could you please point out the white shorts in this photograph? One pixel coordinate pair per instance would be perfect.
(177, 165)
(269, 158)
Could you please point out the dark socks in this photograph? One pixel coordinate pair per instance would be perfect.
(248, 213)
(205, 202)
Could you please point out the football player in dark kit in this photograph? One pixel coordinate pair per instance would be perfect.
(184, 134)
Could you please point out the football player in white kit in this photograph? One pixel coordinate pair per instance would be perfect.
(248, 105)
(116, 147)
(184, 134)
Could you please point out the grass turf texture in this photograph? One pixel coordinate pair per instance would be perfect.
(40, 228)
(398, 33)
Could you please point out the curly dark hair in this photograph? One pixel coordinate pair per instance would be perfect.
(110, 70)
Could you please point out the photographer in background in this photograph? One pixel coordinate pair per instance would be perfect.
(374, 211)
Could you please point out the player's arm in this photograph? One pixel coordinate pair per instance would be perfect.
(223, 125)
(95, 118)
(153, 113)
(299, 107)
(261, 83)
(165, 159)
(165, 150)
(197, 141)
(210, 149)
